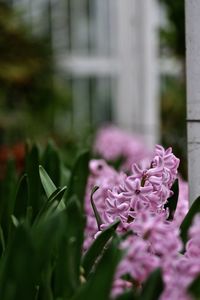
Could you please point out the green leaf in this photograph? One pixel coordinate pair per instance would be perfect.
(47, 183)
(8, 189)
(21, 201)
(153, 286)
(67, 270)
(2, 240)
(97, 247)
(45, 287)
(51, 204)
(51, 162)
(32, 162)
(14, 221)
(99, 284)
(78, 179)
(96, 213)
(194, 209)
(19, 257)
(58, 197)
(128, 295)
(194, 288)
(46, 235)
(29, 215)
(173, 200)
(57, 194)
(65, 175)
(50, 189)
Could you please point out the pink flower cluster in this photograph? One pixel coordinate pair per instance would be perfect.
(139, 200)
(184, 269)
(144, 189)
(113, 143)
(106, 177)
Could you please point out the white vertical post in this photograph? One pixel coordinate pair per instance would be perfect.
(113, 21)
(80, 93)
(100, 26)
(59, 26)
(126, 108)
(193, 95)
(137, 106)
(79, 27)
(147, 69)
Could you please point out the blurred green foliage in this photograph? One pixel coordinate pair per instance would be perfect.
(30, 93)
(42, 232)
(173, 37)
(173, 87)
(173, 116)
(22, 56)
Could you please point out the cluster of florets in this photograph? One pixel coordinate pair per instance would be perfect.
(143, 190)
(105, 177)
(140, 200)
(181, 272)
(112, 144)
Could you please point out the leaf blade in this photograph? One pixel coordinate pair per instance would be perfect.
(99, 285)
(173, 200)
(78, 178)
(153, 286)
(194, 209)
(97, 247)
(47, 183)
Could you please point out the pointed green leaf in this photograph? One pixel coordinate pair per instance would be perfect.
(52, 203)
(32, 162)
(58, 196)
(2, 240)
(29, 215)
(65, 175)
(96, 213)
(52, 163)
(21, 201)
(14, 221)
(99, 285)
(128, 295)
(173, 200)
(45, 288)
(7, 201)
(153, 286)
(46, 235)
(50, 189)
(194, 209)
(19, 258)
(47, 183)
(194, 288)
(97, 247)
(67, 270)
(78, 179)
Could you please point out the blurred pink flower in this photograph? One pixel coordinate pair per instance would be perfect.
(162, 235)
(113, 143)
(183, 202)
(106, 177)
(119, 286)
(138, 261)
(138, 200)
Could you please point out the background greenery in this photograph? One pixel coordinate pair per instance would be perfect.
(173, 87)
(31, 96)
